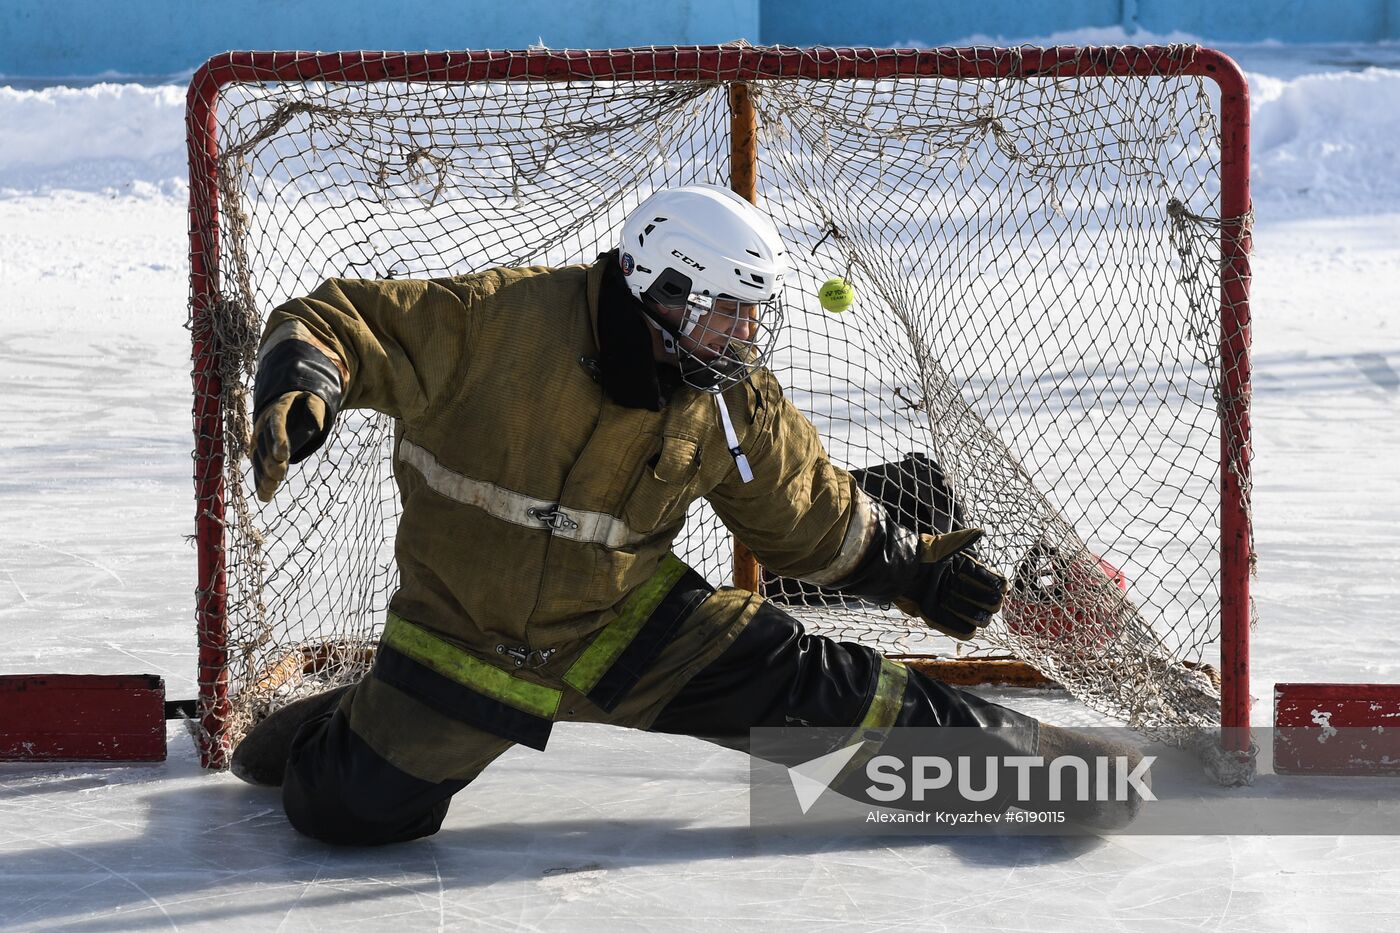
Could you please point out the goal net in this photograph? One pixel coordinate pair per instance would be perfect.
(1049, 339)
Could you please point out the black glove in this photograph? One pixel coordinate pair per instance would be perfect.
(296, 397)
(952, 591)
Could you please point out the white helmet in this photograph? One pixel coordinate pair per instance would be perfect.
(706, 253)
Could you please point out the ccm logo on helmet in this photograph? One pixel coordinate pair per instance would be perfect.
(687, 260)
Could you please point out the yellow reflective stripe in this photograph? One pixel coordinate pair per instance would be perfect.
(889, 696)
(884, 709)
(583, 675)
(456, 664)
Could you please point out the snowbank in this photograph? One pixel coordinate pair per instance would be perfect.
(1326, 143)
(1323, 143)
(108, 137)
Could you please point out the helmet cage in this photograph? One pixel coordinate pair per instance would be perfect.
(714, 358)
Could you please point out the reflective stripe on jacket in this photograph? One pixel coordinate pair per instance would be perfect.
(533, 505)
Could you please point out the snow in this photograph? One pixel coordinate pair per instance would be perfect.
(612, 830)
(118, 137)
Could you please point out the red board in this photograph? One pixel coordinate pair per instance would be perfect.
(1337, 728)
(82, 717)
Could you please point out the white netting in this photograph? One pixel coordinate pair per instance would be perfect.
(1038, 312)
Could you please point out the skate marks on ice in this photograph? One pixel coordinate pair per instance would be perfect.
(612, 830)
(1375, 371)
(95, 574)
(589, 840)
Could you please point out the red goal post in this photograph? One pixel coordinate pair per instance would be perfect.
(737, 67)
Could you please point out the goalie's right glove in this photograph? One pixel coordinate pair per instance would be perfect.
(952, 590)
(296, 396)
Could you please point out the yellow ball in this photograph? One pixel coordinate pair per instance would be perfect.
(836, 295)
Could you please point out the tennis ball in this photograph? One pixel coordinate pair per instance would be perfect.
(836, 295)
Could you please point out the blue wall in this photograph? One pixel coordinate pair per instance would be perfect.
(1285, 20)
(161, 37)
(804, 22)
(71, 38)
(881, 22)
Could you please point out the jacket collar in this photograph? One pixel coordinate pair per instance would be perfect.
(627, 371)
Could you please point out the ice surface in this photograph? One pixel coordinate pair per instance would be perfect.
(611, 830)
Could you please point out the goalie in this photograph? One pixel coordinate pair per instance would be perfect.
(552, 428)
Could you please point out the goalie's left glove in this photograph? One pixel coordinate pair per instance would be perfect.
(933, 577)
(290, 429)
(296, 396)
(951, 590)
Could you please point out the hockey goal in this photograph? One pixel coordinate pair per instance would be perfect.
(1050, 339)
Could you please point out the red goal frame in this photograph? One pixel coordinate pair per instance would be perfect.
(737, 64)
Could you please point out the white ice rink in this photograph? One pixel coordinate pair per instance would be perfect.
(609, 830)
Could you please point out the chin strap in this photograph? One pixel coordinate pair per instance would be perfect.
(692, 319)
(697, 374)
(668, 336)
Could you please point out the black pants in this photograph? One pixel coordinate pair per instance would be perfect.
(340, 790)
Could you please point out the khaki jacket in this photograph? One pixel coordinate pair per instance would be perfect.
(533, 505)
